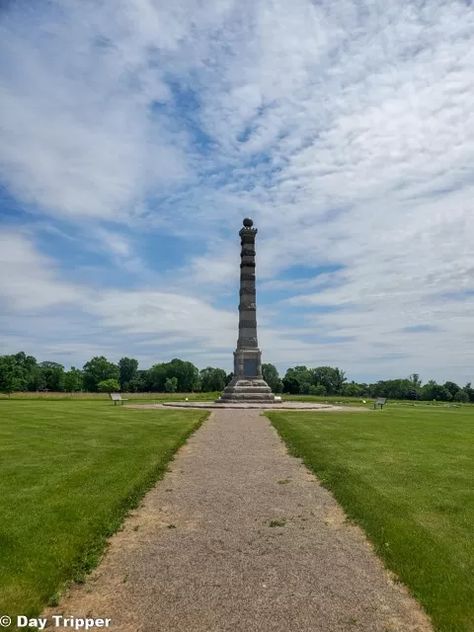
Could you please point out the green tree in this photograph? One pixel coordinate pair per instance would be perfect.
(27, 367)
(97, 370)
(155, 377)
(271, 377)
(127, 372)
(305, 388)
(53, 375)
(394, 389)
(352, 389)
(171, 384)
(10, 378)
(317, 389)
(36, 379)
(18, 372)
(331, 378)
(415, 380)
(452, 387)
(295, 378)
(108, 386)
(186, 373)
(470, 391)
(433, 391)
(212, 379)
(73, 380)
(140, 382)
(461, 396)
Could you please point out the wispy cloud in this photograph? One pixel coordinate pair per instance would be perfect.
(30, 286)
(345, 129)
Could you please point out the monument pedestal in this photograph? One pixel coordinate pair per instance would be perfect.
(247, 390)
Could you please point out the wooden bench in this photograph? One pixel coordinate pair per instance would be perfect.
(380, 401)
(117, 398)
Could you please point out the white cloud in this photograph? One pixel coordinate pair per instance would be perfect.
(33, 293)
(77, 136)
(345, 129)
(26, 282)
(166, 313)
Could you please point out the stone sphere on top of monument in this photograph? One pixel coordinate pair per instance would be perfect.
(248, 223)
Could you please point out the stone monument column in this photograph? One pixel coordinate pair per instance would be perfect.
(247, 383)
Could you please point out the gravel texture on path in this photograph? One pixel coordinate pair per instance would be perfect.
(240, 537)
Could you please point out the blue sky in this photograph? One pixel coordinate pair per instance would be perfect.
(135, 136)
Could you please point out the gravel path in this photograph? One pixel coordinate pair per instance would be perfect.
(201, 554)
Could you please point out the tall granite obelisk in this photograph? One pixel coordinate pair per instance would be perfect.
(247, 384)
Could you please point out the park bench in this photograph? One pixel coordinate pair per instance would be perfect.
(380, 402)
(117, 398)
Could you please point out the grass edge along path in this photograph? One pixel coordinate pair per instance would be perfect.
(38, 562)
(417, 521)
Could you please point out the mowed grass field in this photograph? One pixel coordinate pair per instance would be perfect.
(69, 471)
(406, 475)
(158, 397)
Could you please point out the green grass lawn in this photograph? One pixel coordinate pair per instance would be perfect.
(406, 475)
(69, 471)
(158, 397)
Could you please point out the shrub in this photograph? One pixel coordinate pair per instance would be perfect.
(108, 386)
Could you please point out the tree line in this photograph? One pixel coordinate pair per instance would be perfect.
(21, 372)
(327, 380)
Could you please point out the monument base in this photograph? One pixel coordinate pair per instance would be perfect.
(247, 390)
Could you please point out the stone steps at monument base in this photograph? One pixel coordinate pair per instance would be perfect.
(248, 389)
(247, 382)
(247, 397)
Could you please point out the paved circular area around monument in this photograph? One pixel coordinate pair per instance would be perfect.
(250, 405)
(240, 537)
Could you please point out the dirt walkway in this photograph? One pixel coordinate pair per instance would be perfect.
(240, 537)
